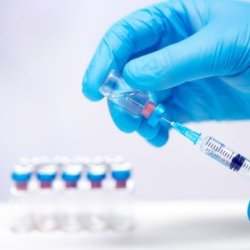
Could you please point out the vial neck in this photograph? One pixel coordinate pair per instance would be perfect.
(21, 186)
(96, 184)
(70, 185)
(121, 184)
(46, 185)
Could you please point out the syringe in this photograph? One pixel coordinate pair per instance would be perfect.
(139, 103)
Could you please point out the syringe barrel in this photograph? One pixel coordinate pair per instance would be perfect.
(225, 155)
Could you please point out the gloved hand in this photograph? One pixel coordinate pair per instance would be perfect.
(194, 56)
(248, 211)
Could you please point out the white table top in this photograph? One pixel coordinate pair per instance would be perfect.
(160, 225)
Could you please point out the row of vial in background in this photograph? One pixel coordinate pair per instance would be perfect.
(72, 194)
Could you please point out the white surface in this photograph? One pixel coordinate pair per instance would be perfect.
(45, 47)
(160, 225)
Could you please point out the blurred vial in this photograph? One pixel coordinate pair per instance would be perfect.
(112, 162)
(121, 198)
(20, 199)
(71, 196)
(45, 200)
(96, 219)
(27, 163)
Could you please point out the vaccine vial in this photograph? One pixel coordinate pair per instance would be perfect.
(20, 199)
(122, 218)
(45, 199)
(96, 216)
(70, 203)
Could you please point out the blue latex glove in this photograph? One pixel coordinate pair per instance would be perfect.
(193, 55)
(248, 211)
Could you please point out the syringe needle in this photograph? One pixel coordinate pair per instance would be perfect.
(188, 133)
(165, 119)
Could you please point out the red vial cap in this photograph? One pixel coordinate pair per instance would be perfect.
(148, 110)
